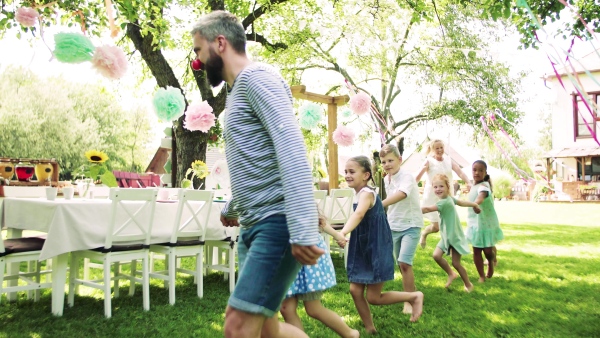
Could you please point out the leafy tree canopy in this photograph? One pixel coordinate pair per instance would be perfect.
(52, 118)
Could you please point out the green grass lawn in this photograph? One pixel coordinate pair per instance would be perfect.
(546, 285)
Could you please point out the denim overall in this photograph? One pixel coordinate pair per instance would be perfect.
(370, 257)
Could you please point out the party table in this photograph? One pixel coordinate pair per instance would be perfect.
(81, 224)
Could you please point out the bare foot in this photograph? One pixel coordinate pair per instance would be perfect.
(469, 288)
(372, 330)
(407, 308)
(481, 280)
(354, 334)
(450, 279)
(417, 306)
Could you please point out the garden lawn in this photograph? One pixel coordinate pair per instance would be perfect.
(546, 285)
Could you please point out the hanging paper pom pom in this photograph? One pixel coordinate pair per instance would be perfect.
(360, 103)
(110, 61)
(73, 48)
(346, 113)
(26, 16)
(199, 117)
(169, 103)
(344, 136)
(310, 115)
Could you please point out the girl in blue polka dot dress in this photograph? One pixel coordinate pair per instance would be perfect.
(309, 285)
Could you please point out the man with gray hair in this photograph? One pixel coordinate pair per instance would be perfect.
(271, 180)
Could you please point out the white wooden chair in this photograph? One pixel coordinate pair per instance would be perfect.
(127, 240)
(19, 250)
(321, 199)
(225, 260)
(187, 239)
(338, 211)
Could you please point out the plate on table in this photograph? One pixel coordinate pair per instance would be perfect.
(166, 201)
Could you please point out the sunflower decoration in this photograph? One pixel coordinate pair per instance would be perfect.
(199, 170)
(96, 169)
(95, 156)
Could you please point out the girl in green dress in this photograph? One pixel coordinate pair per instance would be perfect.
(453, 241)
(483, 230)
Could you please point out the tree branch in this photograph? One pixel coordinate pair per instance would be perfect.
(263, 41)
(257, 13)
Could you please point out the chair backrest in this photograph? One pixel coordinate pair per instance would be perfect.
(130, 220)
(340, 205)
(321, 199)
(193, 213)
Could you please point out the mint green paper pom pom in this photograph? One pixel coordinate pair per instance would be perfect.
(347, 113)
(73, 48)
(169, 103)
(310, 115)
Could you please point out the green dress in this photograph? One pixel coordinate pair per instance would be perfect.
(450, 228)
(483, 229)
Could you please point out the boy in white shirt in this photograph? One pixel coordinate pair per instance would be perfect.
(403, 213)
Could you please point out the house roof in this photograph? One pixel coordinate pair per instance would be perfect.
(573, 152)
(589, 62)
(414, 161)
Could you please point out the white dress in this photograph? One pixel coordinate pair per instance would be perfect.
(429, 198)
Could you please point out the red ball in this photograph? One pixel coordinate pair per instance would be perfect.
(197, 65)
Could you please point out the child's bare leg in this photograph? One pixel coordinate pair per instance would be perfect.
(495, 255)
(289, 312)
(408, 283)
(315, 309)
(461, 271)
(478, 260)
(433, 227)
(491, 257)
(358, 295)
(439, 259)
(375, 297)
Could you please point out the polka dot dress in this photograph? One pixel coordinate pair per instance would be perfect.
(317, 277)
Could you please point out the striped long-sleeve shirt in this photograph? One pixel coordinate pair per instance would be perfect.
(266, 155)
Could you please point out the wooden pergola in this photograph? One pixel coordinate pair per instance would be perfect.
(332, 103)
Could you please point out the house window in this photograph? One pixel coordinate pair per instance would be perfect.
(580, 119)
(592, 169)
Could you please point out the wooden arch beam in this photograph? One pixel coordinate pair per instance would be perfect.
(332, 102)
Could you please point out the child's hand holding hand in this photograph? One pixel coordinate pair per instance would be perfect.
(477, 210)
(340, 239)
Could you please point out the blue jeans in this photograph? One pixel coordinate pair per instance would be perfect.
(266, 267)
(405, 244)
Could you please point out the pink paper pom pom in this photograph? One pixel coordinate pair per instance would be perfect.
(26, 16)
(360, 103)
(199, 117)
(110, 61)
(344, 136)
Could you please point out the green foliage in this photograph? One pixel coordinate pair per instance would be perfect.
(52, 118)
(502, 186)
(546, 11)
(381, 49)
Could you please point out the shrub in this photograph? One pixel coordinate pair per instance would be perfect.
(502, 186)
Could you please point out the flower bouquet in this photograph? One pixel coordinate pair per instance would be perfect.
(94, 172)
(198, 169)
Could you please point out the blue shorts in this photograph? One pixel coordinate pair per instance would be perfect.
(405, 244)
(266, 267)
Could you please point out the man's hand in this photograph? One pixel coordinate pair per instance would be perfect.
(307, 255)
(229, 222)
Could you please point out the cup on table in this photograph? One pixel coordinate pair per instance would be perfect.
(68, 192)
(163, 195)
(51, 193)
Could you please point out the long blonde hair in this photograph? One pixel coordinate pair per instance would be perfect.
(431, 145)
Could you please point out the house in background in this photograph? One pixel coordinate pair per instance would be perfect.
(575, 156)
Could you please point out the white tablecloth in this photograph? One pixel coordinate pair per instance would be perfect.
(80, 224)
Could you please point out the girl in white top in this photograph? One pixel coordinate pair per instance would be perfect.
(403, 213)
(437, 163)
